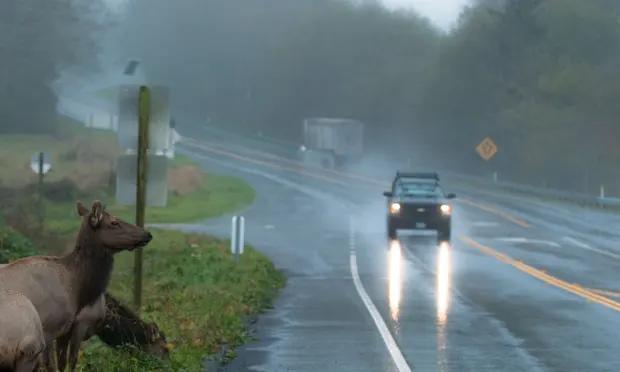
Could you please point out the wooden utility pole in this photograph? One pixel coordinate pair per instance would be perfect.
(144, 109)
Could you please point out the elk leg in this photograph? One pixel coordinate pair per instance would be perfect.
(62, 350)
(47, 357)
(77, 336)
(27, 365)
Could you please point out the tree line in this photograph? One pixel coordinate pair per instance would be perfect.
(37, 40)
(540, 77)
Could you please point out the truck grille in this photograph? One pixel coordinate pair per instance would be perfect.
(419, 212)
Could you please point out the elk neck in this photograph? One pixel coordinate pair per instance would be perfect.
(90, 265)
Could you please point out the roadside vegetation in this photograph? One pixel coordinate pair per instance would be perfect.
(197, 294)
(193, 289)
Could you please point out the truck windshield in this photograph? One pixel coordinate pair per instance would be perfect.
(418, 190)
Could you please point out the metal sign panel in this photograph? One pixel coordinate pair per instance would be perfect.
(34, 163)
(159, 125)
(157, 182)
(486, 149)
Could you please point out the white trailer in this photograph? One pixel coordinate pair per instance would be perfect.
(344, 138)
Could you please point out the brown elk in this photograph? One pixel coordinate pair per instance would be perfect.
(21, 333)
(116, 325)
(60, 287)
(122, 327)
(84, 327)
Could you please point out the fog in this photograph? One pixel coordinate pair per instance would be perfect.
(444, 14)
(538, 77)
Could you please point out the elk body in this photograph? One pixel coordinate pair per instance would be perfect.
(21, 333)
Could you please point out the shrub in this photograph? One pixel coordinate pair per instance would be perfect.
(13, 245)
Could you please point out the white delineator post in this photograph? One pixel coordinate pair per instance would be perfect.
(237, 236)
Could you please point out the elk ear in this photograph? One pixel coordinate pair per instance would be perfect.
(96, 214)
(81, 209)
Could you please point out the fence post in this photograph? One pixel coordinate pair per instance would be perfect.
(237, 236)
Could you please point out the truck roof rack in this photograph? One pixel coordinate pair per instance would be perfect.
(426, 175)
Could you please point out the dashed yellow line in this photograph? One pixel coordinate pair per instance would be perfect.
(605, 292)
(543, 276)
(331, 175)
(269, 164)
(497, 212)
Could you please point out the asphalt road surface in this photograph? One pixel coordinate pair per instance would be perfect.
(525, 285)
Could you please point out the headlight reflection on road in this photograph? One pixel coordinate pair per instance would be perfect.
(444, 272)
(443, 283)
(395, 262)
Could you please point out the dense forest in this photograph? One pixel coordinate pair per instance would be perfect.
(540, 77)
(37, 40)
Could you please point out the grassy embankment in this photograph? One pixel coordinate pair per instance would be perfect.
(193, 289)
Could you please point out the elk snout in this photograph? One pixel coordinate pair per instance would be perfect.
(147, 238)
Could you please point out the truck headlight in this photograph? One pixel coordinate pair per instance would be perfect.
(394, 208)
(445, 209)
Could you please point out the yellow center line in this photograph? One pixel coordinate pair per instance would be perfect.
(594, 295)
(497, 212)
(605, 292)
(287, 165)
(269, 164)
(330, 175)
(543, 276)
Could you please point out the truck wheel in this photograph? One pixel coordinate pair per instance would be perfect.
(444, 234)
(392, 234)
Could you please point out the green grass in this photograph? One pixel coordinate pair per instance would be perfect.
(181, 160)
(196, 293)
(217, 195)
(16, 151)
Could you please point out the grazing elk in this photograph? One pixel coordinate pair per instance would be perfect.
(60, 287)
(21, 334)
(122, 327)
(116, 325)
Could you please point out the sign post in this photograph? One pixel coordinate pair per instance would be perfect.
(143, 138)
(487, 150)
(158, 142)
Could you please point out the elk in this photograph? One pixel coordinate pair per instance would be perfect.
(21, 333)
(122, 327)
(60, 287)
(84, 327)
(115, 325)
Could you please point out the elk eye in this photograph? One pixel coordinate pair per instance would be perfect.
(115, 224)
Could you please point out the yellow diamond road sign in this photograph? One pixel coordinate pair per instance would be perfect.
(486, 149)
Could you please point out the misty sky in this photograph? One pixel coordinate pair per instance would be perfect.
(442, 12)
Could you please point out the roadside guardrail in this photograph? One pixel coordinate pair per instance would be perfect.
(550, 193)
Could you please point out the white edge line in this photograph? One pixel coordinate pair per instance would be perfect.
(397, 355)
(589, 248)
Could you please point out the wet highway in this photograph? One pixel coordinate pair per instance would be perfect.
(525, 284)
